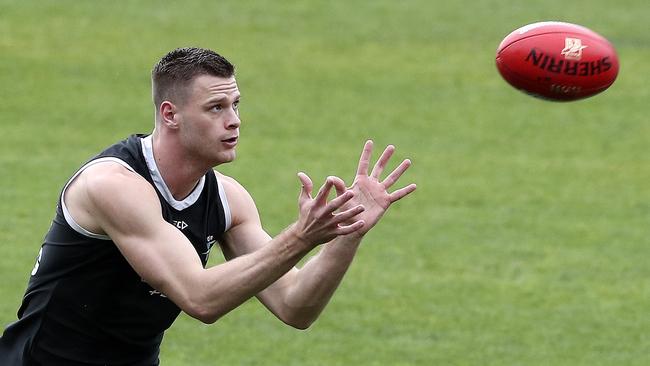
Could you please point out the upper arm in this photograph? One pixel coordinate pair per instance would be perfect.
(247, 235)
(113, 200)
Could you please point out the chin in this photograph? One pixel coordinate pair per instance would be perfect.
(225, 158)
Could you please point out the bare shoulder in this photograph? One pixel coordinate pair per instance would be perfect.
(235, 192)
(241, 203)
(229, 183)
(246, 233)
(108, 191)
(102, 180)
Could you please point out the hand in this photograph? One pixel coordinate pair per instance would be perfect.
(319, 221)
(372, 193)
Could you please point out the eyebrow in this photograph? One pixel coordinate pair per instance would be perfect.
(221, 98)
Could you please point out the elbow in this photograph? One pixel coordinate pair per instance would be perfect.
(300, 321)
(207, 318)
(301, 325)
(202, 313)
(194, 298)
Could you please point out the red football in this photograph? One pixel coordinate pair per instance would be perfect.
(557, 61)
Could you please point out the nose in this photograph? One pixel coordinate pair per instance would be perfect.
(233, 121)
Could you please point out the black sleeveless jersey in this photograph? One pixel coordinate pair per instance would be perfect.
(84, 304)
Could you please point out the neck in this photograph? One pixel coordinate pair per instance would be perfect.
(180, 173)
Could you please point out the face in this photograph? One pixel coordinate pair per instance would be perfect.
(209, 119)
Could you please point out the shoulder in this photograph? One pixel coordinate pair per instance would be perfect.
(233, 189)
(107, 193)
(109, 175)
(242, 205)
(107, 184)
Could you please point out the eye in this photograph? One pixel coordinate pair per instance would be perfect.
(216, 107)
(235, 105)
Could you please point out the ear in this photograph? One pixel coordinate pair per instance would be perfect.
(168, 114)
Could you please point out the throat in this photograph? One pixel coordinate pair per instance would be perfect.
(181, 184)
(178, 183)
(181, 193)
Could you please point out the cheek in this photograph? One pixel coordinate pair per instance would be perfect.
(193, 136)
(202, 135)
(197, 127)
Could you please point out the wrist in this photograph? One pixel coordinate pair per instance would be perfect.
(297, 238)
(352, 240)
(341, 247)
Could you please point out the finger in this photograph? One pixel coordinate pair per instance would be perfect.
(396, 174)
(348, 214)
(307, 186)
(339, 185)
(349, 229)
(364, 160)
(339, 201)
(324, 191)
(401, 193)
(382, 161)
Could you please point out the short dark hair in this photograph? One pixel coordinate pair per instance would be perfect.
(176, 70)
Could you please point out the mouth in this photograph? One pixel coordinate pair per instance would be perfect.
(231, 141)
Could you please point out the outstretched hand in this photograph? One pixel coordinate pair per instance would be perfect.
(320, 221)
(371, 192)
(355, 210)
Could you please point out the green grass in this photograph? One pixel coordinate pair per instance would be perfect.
(525, 244)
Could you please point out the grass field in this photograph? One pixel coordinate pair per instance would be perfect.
(527, 242)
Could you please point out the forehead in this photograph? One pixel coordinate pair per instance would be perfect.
(208, 86)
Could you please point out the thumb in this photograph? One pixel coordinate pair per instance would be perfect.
(307, 186)
(338, 184)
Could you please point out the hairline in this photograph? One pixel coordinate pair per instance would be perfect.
(174, 77)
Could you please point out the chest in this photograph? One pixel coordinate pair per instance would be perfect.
(200, 223)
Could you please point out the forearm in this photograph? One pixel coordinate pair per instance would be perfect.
(222, 288)
(267, 268)
(316, 281)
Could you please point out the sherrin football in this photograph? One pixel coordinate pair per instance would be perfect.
(557, 61)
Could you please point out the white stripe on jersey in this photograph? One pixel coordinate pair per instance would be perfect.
(68, 217)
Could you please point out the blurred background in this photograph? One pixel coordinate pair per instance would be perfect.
(526, 243)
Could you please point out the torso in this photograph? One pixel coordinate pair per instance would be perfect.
(84, 303)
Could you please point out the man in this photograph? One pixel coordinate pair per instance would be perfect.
(134, 226)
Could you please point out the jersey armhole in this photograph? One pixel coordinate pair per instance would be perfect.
(224, 203)
(66, 214)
